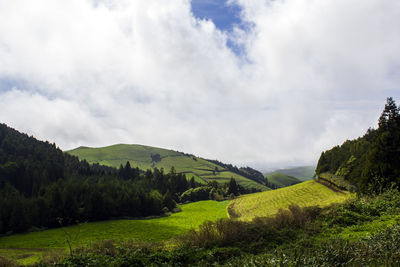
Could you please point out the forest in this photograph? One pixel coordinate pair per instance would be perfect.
(372, 162)
(42, 187)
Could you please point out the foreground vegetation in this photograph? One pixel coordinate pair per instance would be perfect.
(309, 236)
(268, 203)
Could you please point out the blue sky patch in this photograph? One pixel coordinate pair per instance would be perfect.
(224, 16)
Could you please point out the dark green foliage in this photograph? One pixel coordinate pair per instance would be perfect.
(214, 191)
(372, 162)
(40, 186)
(233, 187)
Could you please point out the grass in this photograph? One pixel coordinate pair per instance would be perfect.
(309, 193)
(282, 180)
(140, 156)
(29, 247)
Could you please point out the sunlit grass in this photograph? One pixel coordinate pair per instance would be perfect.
(309, 193)
(30, 247)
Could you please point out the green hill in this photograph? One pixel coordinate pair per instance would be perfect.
(146, 157)
(309, 193)
(282, 180)
(303, 173)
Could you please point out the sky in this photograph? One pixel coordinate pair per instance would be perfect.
(264, 83)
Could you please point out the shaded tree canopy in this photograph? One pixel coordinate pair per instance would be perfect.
(371, 162)
(41, 186)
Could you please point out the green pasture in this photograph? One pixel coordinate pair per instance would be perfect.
(29, 247)
(309, 193)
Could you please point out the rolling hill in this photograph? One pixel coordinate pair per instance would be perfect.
(282, 180)
(309, 193)
(147, 157)
(303, 173)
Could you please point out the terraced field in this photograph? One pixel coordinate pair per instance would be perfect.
(143, 158)
(29, 247)
(309, 193)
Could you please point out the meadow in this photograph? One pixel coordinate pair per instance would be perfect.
(309, 193)
(140, 156)
(29, 247)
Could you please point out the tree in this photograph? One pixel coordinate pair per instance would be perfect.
(233, 187)
(390, 116)
(192, 183)
(168, 201)
(18, 220)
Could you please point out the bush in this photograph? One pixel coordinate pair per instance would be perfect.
(379, 250)
(270, 230)
(363, 209)
(4, 262)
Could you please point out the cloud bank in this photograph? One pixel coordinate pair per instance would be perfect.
(95, 73)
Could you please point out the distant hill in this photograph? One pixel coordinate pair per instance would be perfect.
(282, 180)
(147, 157)
(302, 173)
(309, 193)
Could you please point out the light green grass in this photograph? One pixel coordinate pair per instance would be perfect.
(140, 156)
(158, 229)
(282, 180)
(309, 193)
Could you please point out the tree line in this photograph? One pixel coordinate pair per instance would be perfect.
(40, 187)
(371, 162)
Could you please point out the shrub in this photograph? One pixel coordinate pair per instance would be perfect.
(4, 262)
(271, 230)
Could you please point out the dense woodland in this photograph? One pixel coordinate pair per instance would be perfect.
(371, 162)
(40, 187)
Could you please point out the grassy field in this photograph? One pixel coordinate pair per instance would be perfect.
(309, 193)
(140, 156)
(29, 247)
(282, 180)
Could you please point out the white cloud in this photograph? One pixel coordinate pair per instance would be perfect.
(103, 72)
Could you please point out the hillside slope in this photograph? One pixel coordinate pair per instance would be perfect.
(146, 157)
(303, 173)
(282, 180)
(309, 193)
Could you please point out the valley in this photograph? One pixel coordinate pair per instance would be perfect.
(116, 206)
